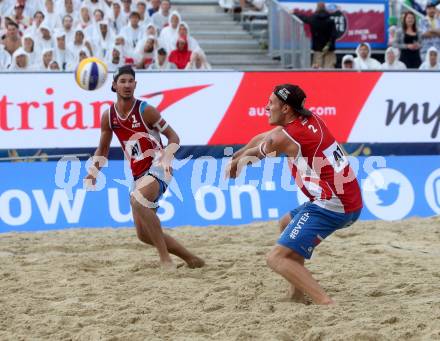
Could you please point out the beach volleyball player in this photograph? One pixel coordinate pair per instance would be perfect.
(138, 126)
(321, 171)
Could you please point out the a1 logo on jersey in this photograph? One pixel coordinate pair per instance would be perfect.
(336, 157)
(134, 123)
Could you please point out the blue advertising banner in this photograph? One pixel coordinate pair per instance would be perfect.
(50, 195)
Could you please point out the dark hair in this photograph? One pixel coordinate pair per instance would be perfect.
(99, 10)
(414, 26)
(13, 23)
(135, 14)
(39, 12)
(293, 96)
(124, 69)
(162, 51)
(67, 16)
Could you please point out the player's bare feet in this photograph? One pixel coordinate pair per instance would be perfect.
(296, 296)
(195, 262)
(327, 301)
(168, 266)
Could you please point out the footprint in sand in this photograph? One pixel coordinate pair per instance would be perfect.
(214, 307)
(221, 288)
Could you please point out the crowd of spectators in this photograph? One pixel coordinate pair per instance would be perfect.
(58, 34)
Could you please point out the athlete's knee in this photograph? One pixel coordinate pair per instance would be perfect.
(273, 258)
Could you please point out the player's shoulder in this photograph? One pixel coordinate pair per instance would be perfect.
(145, 107)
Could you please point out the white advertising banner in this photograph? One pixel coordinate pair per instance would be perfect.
(48, 110)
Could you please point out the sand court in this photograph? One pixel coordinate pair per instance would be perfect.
(103, 284)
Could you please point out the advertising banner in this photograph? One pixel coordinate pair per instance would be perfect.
(48, 110)
(50, 195)
(356, 21)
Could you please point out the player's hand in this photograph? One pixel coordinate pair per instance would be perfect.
(232, 170)
(166, 161)
(89, 182)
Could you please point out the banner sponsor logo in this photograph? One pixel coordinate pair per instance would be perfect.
(54, 196)
(221, 108)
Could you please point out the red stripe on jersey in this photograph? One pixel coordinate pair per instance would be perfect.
(328, 178)
(137, 140)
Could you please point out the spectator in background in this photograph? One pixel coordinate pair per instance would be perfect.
(5, 58)
(67, 27)
(431, 60)
(45, 58)
(53, 66)
(154, 7)
(141, 8)
(85, 20)
(37, 19)
(323, 36)
(80, 55)
(114, 59)
(392, 60)
(168, 35)
(347, 62)
(28, 44)
(161, 62)
(181, 55)
(126, 49)
(145, 52)
(183, 31)
(198, 61)
(65, 7)
(20, 61)
(12, 40)
(151, 30)
(51, 18)
(45, 41)
(63, 56)
(104, 39)
(133, 31)
(98, 15)
(127, 8)
(79, 43)
(363, 61)
(18, 16)
(430, 28)
(116, 18)
(160, 18)
(408, 41)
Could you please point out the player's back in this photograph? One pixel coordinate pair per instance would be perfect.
(321, 169)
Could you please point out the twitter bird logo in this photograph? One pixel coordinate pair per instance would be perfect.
(387, 196)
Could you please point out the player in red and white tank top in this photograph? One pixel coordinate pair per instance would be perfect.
(138, 126)
(322, 172)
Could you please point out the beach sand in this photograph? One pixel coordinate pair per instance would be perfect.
(103, 284)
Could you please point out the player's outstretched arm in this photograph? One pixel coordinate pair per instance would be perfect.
(101, 153)
(255, 141)
(274, 144)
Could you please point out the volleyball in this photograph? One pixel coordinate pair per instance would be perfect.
(91, 73)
